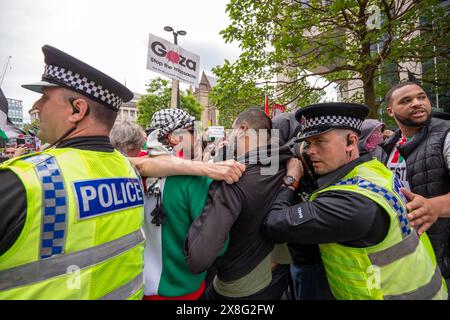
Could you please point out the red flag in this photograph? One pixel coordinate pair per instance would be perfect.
(277, 109)
(266, 106)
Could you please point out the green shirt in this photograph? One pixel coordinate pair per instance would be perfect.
(166, 271)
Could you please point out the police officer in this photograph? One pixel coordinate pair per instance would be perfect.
(71, 216)
(357, 215)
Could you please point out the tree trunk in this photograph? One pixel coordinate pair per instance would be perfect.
(369, 96)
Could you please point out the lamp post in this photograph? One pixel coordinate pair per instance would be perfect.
(4, 71)
(175, 96)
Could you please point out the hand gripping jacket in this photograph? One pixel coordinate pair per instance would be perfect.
(82, 236)
(401, 267)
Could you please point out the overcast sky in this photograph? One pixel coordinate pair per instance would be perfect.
(111, 35)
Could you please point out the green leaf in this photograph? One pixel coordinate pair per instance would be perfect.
(158, 97)
(331, 39)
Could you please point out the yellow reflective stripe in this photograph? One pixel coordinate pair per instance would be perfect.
(425, 292)
(57, 265)
(127, 290)
(396, 252)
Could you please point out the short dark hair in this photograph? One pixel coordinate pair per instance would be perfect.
(255, 119)
(103, 114)
(388, 96)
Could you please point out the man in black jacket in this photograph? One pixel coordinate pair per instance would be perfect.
(357, 215)
(419, 154)
(237, 211)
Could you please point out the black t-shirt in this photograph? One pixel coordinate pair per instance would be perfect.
(13, 197)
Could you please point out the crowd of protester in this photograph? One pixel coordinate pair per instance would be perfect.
(316, 204)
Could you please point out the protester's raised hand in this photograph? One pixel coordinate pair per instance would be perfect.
(422, 212)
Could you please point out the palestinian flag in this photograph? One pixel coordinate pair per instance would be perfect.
(177, 201)
(7, 129)
(397, 157)
(3, 135)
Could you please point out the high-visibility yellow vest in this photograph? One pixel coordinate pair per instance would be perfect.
(82, 236)
(402, 266)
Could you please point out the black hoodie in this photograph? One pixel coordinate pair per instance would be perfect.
(238, 210)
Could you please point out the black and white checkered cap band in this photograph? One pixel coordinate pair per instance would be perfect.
(332, 121)
(77, 81)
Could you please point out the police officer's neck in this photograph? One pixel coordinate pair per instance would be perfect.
(85, 131)
(353, 155)
(76, 132)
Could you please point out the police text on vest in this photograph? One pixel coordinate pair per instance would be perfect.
(102, 196)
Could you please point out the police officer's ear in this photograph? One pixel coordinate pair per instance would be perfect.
(352, 141)
(80, 109)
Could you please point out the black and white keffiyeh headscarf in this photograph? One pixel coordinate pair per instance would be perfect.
(168, 120)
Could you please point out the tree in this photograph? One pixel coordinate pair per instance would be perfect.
(158, 98)
(353, 42)
(235, 93)
(32, 127)
(232, 96)
(231, 100)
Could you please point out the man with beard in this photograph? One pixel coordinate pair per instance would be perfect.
(419, 154)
